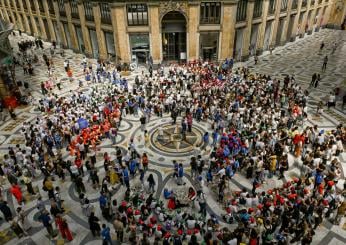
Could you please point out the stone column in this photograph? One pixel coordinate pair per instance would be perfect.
(155, 33)
(337, 14)
(287, 19)
(11, 13)
(296, 19)
(193, 13)
(49, 21)
(119, 25)
(328, 13)
(33, 22)
(74, 41)
(5, 12)
(26, 22)
(60, 26)
(247, 31)
(85, 31)
(311, 21)
(43, 29)
(99, 32)
(275, 24)
(19, 17)
(227, 32)
(262, 27)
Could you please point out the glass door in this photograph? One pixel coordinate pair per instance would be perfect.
(174, 45)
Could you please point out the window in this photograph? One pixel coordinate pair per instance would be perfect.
(40, 6)
(50, 7)
(283, 5)
(74, 9)
(137, 14)
(257, 9)
(304, 3)
(312, 3)
(294, 4)
(61, 5)
(241, 10)
(105, 13)
(272, 4)
(89, 15)
(110, 43)
(210, 13)
(320, 1)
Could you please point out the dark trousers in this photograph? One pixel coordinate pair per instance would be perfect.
(120, 235)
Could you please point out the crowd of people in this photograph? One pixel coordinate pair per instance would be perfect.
(257, 122)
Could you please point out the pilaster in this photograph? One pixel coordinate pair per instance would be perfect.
(49, 21)
(119, 25)
(19, 17)
(32, 19)
(311, 21)
(247, 32)
(60, 26)
(5, 13)
(287, 19)
(193, 38)
(85, 31)
(42, 27)
(296, 20)
(99, 32)
(228, 20)
(11, 13)
(262, 28)
(74, 41)
(275, 24)
(25, 19)
(155, 33)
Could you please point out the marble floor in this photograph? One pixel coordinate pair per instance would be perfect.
(300, 59)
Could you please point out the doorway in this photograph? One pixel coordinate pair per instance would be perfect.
(174, 36)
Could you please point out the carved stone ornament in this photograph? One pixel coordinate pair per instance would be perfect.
(168, 6)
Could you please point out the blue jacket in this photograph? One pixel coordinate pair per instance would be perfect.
(181, 172)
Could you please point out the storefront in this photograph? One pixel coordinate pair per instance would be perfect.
(209, 45)
(140, 48)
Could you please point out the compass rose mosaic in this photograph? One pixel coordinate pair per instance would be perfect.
(169, 139)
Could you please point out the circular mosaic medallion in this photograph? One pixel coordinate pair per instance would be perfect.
(169, 139)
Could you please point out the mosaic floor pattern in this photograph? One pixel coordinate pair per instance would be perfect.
(165, 145)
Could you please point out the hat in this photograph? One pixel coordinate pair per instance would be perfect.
(325, 202)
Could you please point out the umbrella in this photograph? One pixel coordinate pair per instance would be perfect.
(83, 123)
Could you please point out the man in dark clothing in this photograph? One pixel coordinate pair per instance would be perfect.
(45, 219)
(313, 79)
(325, 61)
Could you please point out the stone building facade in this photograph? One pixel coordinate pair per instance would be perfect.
(168, 30)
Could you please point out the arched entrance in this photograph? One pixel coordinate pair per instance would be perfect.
(173, 28)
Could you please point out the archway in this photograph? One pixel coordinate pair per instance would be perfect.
(173, 28)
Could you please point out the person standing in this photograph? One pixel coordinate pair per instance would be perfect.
(106, 235)
(318, 79)
(180, 175)
(46, 221)
(151, 183)
(119, 229)
(23, 219)
(325, 61)
(17, 193)
(94, 224)
(6, 211)
(63, 228)
(313, 79)
(28, 182)
(322, 46)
